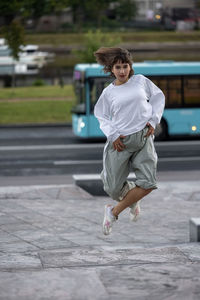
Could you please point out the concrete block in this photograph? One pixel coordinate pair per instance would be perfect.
(195, 230)
(92, 183)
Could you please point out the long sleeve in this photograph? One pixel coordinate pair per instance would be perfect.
(157, 101)
(102, 112)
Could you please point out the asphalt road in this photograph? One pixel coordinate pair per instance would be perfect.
(39, 151)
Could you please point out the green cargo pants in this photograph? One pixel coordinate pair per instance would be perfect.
(139, 156)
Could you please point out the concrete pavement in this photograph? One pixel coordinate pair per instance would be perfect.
(52, 246)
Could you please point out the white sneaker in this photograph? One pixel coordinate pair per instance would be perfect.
(108, 220)
(134, 212)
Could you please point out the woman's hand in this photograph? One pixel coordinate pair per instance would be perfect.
(118, 144)
(150, 130)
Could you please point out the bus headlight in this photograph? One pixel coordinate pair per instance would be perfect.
(81, 124)
(194, 128)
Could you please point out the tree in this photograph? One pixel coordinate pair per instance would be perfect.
(126, 10)
(89, 11)
(93, 41)
(29, 8)
(78, 8)
(14, 13)
(38, 8)
(95, 10)
(10, 9)
(14, 35)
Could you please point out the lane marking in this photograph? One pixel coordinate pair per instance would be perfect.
(184, 158)
(51, 147)
(86, 162)
(95, 176)
(77, 162)
(89, 146)
(177, 143)
(98, 161)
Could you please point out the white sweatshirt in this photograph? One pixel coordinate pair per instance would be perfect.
(125, 109)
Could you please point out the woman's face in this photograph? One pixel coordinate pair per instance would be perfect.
(121, 72)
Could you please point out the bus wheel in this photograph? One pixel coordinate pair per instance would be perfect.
(161, 131)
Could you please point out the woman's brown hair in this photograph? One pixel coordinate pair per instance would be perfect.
(108, 57)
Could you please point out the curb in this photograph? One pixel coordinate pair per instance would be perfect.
(92, 183)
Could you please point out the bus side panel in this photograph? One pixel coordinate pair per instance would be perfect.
(80, 125)
(183, 121)
(86, 126)
(94, 129)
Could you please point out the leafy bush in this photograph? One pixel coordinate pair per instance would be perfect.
(38, 82)
(93, 41)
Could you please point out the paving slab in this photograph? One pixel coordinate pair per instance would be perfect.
(19, 246)
(51, 284)
(79, 257)
(52, 246)
(156, 281)
(191, 250)
(19, 261)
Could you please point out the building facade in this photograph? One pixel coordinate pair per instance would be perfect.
(148, 8)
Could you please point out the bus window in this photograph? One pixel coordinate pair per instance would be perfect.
(79, 89)
(174, 92)
(192, 91)
(96, 87)
(162, 83)
(172, 89)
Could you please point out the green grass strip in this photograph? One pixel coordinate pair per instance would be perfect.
(37, 92)
(26, 112)
(129, 36)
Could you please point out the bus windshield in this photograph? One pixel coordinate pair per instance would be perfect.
(97, 84)
(79, 89)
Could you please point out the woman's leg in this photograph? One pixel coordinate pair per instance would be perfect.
(131, 197)
(143, 159)
(144, 165)
(114, 175)
(116, 168)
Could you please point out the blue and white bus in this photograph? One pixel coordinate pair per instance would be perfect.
(180, 82)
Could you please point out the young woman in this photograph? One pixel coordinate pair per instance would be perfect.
(128, 111)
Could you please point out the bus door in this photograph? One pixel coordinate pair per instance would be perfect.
(79, 111)
(96, 86)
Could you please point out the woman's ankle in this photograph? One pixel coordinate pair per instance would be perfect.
(115, 214)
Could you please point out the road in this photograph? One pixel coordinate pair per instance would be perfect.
(40, 151)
